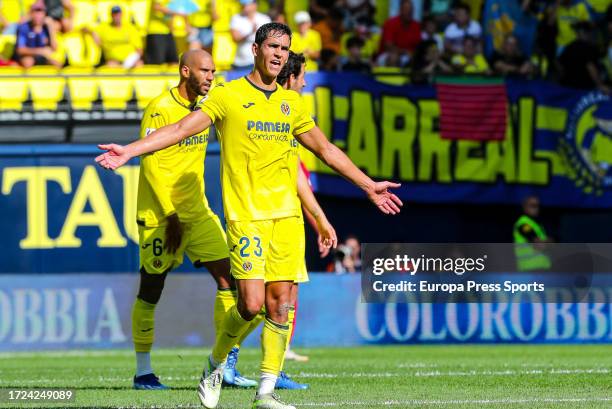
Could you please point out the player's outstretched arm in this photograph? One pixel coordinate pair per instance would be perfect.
(378, 192)
(117, 155)
(326, 234)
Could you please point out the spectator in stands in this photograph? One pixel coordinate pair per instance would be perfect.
(546, 40)
(329, 60)
(354, 61)
(160, 45)
(320, 9)
(355, 245)
(358, 11)
(568, 14)
(305, 40)
(36, 40)
(400, 37)
(121, 42)
(277, 16)
(331, 29)
(429, 31)
(510, 61)
(201, 33)
(427, 63)
(62, 13)
(461, 27)
(471, 60)
(347, 257)
(579, 61)
(367, 34)
(243, 27)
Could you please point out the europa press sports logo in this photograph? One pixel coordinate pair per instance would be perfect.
(285, 109)
(587, 144)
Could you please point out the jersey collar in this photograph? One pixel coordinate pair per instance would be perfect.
(266, 92)
(182, 101)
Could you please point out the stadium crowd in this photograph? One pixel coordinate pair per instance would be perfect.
(571, 40)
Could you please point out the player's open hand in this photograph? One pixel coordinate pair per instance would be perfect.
(386, 201)
(114, 157)
(327, 238)
(174, 234)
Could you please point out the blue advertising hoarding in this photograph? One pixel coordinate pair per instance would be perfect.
(68, 311)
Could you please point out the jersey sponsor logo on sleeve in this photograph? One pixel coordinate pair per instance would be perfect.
(155, 115)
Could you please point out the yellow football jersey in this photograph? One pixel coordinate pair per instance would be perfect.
(172, 179)
(259, 152)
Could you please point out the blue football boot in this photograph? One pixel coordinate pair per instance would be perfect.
(231, 376)
(285, 382)
(148, 382)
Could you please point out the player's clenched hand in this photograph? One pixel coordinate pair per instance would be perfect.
(387, 202)
(174, 234)
(327, 238)
(114, 157)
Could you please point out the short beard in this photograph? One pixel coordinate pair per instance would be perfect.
(194, 86)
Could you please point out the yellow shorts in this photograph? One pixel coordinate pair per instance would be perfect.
(270, 250)
(302, 275)
(203, 240)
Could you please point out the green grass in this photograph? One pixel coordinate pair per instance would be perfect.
(463, 376)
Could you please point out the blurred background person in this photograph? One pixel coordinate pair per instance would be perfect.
(510, 60)
(160, 45)
(568, 13)
(306, 41)
(201, 33)
(354, 62)
(120, 41)
(36, 41)
(427, 63)
(331, 29)
(243, 27)
(579, 62)
(400, 37)
(62, 13)
(429, 31)
(470, 60)
(461, 27)
(530, 238)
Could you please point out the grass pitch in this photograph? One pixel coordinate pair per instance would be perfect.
(462, 376)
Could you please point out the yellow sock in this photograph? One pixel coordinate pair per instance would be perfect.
(254, 324)
(143, 325)
(273, 341)
(231, 329)
(224, 301)
(290, 318)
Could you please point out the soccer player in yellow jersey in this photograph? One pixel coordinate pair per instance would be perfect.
(259, 125)
(173, 214)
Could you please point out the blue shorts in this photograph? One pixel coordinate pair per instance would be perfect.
(203, 35)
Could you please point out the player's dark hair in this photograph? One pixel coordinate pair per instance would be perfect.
(267, 29)
(293, 66)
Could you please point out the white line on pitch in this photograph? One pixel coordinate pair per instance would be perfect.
(458, 402)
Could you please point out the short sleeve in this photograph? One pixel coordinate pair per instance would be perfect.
(153, 118)
(303, 121)
(215, 105)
